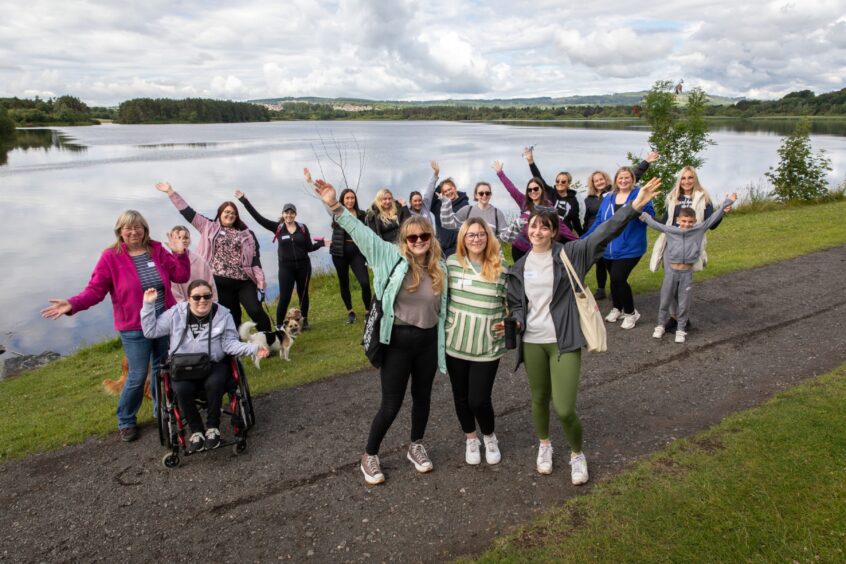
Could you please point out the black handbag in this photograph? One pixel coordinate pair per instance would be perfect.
(191, 366)
(373, 349)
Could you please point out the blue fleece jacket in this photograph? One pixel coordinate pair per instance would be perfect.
(631, 243)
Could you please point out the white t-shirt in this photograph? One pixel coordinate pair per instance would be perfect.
(537, 280)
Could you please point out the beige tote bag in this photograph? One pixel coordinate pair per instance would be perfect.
(590, 318)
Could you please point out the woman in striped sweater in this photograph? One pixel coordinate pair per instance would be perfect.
(474, 329)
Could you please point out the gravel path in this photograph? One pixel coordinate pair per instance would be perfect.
(297, 493)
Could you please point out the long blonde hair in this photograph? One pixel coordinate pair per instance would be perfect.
(676, 193)
(433, 255)
(130, 217)
(591, 186)
(388, 216)
(491, 260)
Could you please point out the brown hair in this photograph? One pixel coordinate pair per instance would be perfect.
(238, 224)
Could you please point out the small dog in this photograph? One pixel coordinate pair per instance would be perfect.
(114, 387)
(285, 335)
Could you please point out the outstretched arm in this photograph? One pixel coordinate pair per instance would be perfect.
(268, 224)
(429, 191)
(180, 204)
(516, 194)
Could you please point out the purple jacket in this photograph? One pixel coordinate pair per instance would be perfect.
(115, 275)
(522, 241)
(208, 231)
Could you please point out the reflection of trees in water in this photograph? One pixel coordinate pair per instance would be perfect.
(46, 139)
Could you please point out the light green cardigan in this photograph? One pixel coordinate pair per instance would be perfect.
(382, 256)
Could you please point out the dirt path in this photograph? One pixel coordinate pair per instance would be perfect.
(297, 493)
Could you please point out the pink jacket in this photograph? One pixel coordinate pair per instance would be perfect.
(208, 231)
(115, 275)
(200, 270)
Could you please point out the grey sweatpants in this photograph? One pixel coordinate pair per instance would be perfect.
(676, 293)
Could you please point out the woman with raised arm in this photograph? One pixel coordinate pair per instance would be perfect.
(411, 282)
(346, 255)
(624, 252)
(132, 264)
(530, 200)
(232, 251)
(541, 298)
(294, 244)
(475, 340)
(482, 208)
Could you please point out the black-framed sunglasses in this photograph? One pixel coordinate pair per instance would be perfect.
(423, 237)
(199, 297)
(482, 193)
(533, 189)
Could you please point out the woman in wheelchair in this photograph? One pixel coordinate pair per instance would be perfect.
(198, 326)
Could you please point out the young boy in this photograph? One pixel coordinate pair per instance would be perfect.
(684, 243)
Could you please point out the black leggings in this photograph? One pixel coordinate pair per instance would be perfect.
(233, 294)
(214, 385)
(472, 384)
(413, 353)
(601, 273)
(290, 274)
(352, 259)
(621, 292)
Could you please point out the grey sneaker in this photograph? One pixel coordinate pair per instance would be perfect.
(417, 455)
(196, 443)
(212, 438)
(371, 469)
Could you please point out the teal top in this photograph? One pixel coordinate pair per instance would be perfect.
(382, 256)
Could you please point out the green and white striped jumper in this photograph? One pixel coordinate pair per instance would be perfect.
(474, 305)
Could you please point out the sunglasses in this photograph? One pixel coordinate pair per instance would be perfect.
(565, 181)
(198, 297)
(533, 189)
(480, 193)
(423, 237)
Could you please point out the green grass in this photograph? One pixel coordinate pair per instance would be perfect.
(63, 403)
(766, 485)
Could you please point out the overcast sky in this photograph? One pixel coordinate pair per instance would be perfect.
(108, 51)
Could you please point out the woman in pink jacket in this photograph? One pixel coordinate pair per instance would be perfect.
(125, 270)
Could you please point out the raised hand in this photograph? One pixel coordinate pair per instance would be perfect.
(150, 295)
(307, 176)
(326, 192)
(497, 166)
(647, 192)
(239, 194)
(57, 310)
(733, 196)
(435, 168)
(164, 187)
(651, 157)
(263, 352)
(401, 201)
(528, 154)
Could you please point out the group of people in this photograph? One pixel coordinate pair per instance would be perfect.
(441, 279)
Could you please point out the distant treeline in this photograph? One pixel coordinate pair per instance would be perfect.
(801, 103)
(190, 110)
(64, 110)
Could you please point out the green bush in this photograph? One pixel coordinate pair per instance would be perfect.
(800, 174)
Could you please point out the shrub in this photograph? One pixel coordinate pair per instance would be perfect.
(800, 174)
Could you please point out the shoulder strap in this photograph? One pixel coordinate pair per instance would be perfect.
(388, 279)
(571, 273)
(185, 331)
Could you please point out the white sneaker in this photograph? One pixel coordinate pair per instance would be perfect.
(613, 315)
(578, 469)
(471, 452)
(680, 336)
(371, 469)
(659, 332)
(492, 454)
(629, 320)
(545, 458)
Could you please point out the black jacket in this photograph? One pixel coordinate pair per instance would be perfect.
(292, 247)
(340, 237)
(447, 237)
(387, 231)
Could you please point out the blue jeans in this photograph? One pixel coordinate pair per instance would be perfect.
(139, 352)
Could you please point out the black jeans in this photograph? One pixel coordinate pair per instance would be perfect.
(290, 274)
(601, 273)
(412, 353)
(233, 294)
(352, 259)
(214, 386)
(472, 384)
(621, 292)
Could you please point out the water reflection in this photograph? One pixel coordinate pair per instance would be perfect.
(39, 139)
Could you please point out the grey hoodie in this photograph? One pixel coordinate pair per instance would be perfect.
(225, 340)
(684, 245)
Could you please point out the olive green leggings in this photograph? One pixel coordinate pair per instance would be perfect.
(556, 375)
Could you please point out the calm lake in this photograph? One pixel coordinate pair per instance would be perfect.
(63, 189)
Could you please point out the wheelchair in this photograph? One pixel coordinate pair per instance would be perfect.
(173, 429)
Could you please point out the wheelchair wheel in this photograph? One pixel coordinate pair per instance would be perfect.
(161, 415)
(239, 447)
(246, 399)
(171, 460)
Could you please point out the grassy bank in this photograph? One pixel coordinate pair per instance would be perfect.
(63, 403)
(766, 485)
